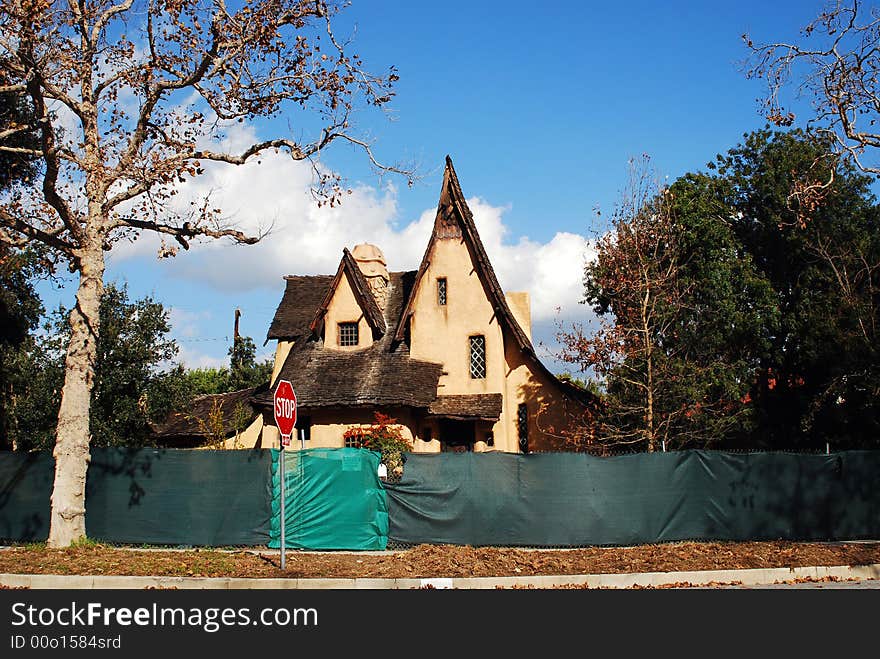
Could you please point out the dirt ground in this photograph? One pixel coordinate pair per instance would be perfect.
(435, 560)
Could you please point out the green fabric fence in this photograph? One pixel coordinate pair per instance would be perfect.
(153, 496)
(25, 491)
(179, 497)
(334, 500)
(559, 499)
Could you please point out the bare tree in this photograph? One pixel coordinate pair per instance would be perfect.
(634, 279)
(837, 64)
(664, 381)
(134, 97)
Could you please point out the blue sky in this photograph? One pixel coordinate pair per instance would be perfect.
(540, 107)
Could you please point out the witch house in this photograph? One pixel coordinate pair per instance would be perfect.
(442, 350)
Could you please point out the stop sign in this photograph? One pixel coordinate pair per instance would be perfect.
(285, 408)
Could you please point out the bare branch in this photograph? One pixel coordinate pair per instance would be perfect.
(840, 72)
(28, 232)
(188, 231)
(21, 150)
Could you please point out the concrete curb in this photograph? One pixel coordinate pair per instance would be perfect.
(752, 577)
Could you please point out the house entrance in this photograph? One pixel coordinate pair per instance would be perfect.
(456, 436)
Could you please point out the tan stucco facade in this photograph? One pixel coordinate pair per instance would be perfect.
(344, 308)
(441, 333)
(326, 428)
(467, 321)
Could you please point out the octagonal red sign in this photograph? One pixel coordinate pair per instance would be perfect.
(285, 407)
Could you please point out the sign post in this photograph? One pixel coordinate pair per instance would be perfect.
(285, 418)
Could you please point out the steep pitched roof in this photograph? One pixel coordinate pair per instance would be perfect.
(383, 374)
(362, 294)
(296, 311)
(454, 217)
(453, 211)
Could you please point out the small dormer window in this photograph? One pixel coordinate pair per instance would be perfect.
(441, 291)
(348, 334)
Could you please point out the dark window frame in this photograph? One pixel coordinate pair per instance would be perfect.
(442, 291)
(522, 427)
(344, 334)
(477, 366)
(303, 422)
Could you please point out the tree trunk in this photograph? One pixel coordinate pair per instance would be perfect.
(68, 522)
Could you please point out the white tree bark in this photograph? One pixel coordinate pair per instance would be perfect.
(68, 522)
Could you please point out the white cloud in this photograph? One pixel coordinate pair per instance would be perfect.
(552, 272)
(193, 358)
(186, 323)
(306, 239)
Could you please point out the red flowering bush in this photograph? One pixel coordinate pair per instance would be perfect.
(383, 436)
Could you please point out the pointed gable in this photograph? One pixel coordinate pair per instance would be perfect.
(455, 220)
(362, 294)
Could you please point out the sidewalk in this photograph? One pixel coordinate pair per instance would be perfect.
(754, 577)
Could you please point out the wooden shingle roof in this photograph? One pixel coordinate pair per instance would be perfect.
(383, 374)
(362, 294)
(296, 311)
(233, 404)
(477, 407)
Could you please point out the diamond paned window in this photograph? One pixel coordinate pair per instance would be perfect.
(348, 334)
(441, 291)
(522, 426)
(478, 357)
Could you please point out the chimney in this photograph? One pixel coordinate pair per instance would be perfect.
(521, 307)
(371, 262)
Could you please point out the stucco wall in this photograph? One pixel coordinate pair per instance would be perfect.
(521, 307)
(439, 333)
(249, 437)
(281, 352)
(344, 308)
(550, 411)
(327, 427)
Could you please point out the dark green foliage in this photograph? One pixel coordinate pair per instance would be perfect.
(685, 319)
(764, 325)
(17, 168)
(587, 385)
(133, 384)
(20, 307)
(816, 238)
(136, 382)
(244, 372)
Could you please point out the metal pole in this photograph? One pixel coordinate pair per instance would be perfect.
(283, 497)
(302, 464)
